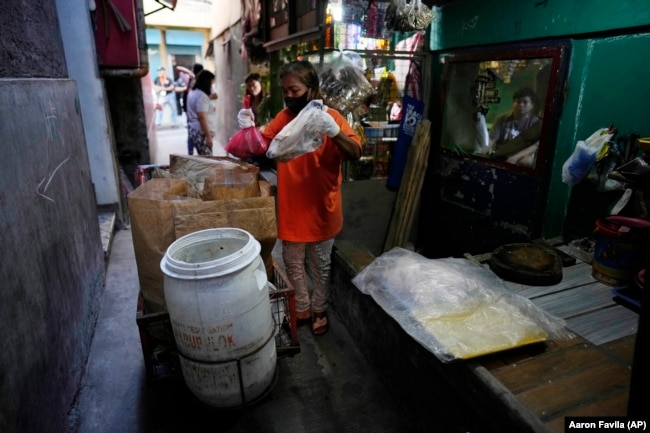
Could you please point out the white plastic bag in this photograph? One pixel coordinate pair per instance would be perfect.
(482, 140)
(585, 154)
(302, 135)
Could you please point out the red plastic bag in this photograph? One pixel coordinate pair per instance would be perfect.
(247, 142)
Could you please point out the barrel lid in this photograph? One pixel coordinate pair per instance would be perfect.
(527, 263)
(245, 249)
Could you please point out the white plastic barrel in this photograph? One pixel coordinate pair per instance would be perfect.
(216, 292)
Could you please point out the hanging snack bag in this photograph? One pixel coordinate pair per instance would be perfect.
(408, 15)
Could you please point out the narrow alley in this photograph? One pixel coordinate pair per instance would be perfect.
(326, 388)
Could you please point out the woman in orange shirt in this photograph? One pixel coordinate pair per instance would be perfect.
(309, 192)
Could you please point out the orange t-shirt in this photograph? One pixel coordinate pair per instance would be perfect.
(310, 207)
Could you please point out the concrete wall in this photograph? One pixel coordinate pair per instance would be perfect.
(52, 264)
(128, 116)
(38, 53)
(605, 85)
(230, 70)
(52, 267)
(80, 57)
(225, 17)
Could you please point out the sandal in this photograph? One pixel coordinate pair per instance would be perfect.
(320, 324)
(303, 316)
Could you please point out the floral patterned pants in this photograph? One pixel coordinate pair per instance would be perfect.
(198, 140)
(309, 261)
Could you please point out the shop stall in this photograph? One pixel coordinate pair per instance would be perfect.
(376, 76)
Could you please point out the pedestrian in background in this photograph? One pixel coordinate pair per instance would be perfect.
(164, 88)
(198, 110)
(259, 99)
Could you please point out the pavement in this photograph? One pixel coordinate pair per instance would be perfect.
(327, 387)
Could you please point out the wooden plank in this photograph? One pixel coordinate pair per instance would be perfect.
(575, 301)
(603, 326)
(408, 194)
(496, 397)
(621, 349)
(614, 405)
(589, 385)
(549, 367)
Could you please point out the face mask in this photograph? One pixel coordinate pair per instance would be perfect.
(296, 104)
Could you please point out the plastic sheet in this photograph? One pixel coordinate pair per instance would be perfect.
(453, 307)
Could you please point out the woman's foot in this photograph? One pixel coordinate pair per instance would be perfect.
(303, 316)
(319, 324)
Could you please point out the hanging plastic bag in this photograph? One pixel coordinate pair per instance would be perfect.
(343, 83)
(408, 15)
(584, 155)
(302, 135)
(246, 142)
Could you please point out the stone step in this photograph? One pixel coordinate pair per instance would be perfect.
(107, 221)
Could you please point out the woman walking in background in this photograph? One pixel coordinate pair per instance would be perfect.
(198, 110)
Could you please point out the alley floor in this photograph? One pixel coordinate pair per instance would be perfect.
(327, 387)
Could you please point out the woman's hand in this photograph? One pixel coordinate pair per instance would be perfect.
(327, 124)
(245, 118)
(346, 145)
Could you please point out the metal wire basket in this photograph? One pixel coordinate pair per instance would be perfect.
(157, 337)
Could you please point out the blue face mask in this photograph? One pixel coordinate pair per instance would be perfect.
(296, 104)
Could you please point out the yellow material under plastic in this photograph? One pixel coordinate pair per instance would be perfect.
(502, 326)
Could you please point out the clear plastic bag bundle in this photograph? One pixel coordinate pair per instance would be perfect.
(408, 15)
(343, 83)
(302, 135)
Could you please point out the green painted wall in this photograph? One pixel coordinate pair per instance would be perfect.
(608, 83)
(481, 22)
(608, 77)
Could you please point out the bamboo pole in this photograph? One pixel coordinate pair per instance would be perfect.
(410, 186)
